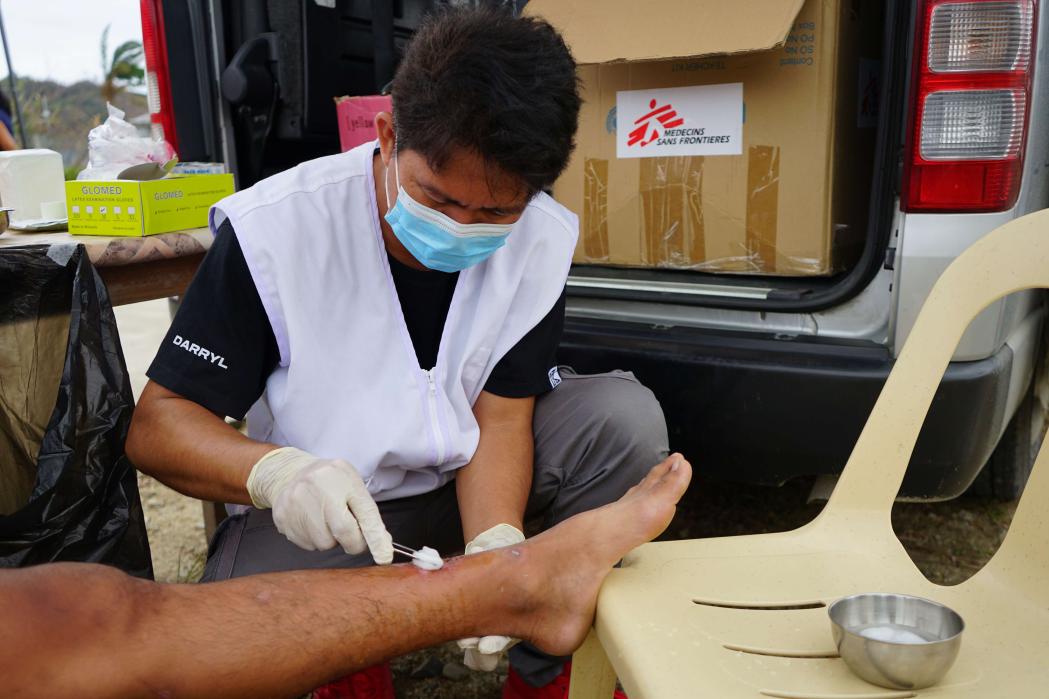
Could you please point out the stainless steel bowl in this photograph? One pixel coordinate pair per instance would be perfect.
(896, 641)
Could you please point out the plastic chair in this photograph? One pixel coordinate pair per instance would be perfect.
(746, 616)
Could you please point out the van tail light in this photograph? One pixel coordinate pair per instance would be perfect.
(970, 101)
(158, 79)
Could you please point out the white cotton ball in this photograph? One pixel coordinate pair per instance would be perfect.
(427, 559)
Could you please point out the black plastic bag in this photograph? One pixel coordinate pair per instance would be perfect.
(67, 491)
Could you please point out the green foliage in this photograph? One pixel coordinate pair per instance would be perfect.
(59, 116)
(123, 69)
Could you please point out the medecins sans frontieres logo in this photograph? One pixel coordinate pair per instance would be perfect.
(666, 117)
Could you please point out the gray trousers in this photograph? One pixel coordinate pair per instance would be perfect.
(595, 437)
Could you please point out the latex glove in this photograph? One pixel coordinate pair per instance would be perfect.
(318, 503)
(483, 653)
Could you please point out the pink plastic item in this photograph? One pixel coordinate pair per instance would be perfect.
(357, 118)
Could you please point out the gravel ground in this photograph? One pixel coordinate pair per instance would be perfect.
(948, 541)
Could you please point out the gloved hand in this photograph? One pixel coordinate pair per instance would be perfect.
(483, 653)
(319, 502)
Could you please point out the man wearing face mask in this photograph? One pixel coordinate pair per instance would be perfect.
(388, 318)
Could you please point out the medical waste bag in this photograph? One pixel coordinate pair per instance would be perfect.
(67, 491)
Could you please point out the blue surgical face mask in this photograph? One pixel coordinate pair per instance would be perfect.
(436, 240)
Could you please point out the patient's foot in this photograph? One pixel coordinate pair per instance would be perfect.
(570, 561)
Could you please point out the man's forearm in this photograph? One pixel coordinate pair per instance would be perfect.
(493, 488)
(190, 449)
(7, 140)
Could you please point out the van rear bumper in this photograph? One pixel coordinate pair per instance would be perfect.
(765, 409)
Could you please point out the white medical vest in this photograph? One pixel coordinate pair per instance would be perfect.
(348, 384)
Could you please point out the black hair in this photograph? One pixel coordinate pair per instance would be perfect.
(502, 86)
(5, 104)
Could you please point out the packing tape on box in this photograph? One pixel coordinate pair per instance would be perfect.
(671, 211)
(762, 204)
(595, 209)
(672, 228)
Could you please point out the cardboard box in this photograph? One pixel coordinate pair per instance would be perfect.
(131, 208)
(749, 151)
(357, 118)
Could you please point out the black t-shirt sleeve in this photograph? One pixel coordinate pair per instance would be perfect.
(526, 369)
(220, 348)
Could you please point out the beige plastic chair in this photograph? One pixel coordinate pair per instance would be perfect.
(746, 616)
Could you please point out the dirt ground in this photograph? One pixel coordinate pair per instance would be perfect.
(174, 522)
(947, 541)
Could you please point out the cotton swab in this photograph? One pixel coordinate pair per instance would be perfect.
(425, 558)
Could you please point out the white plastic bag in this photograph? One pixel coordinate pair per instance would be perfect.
(115, 145)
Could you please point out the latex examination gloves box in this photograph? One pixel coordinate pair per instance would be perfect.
(721, 136)
(133, 208)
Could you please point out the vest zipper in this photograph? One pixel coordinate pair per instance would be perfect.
(435, 423)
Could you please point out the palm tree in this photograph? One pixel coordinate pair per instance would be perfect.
(121, 70)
